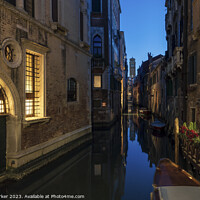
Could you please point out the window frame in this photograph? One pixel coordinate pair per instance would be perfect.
(12, 2)
(97, 75)
(93, 6)
(4, 104)
(99, 48)
(193, 114)
(75, 92)
(81, 26)
(31, 11)
(55, 10)
(192, 68)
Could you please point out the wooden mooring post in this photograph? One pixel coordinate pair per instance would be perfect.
(176, 137)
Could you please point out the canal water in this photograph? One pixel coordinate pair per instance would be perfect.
(119, 164)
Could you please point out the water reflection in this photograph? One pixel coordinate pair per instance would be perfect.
(119, 164)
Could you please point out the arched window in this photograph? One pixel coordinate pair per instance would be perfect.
(71, 90)
(3, 102)
(97, 46)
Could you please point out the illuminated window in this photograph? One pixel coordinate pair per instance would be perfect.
(97, 46)
(97, 81)
(97, 170)
(3, 102)
(32, 85)
(2, 107)
(71, 90)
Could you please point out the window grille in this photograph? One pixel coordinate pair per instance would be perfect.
(32, 85)
(3, 102)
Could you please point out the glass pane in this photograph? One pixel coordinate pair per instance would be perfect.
(29, 106)
(97, 44)
(96, 5)
(2, 109)
(97, 81)
(97, 39)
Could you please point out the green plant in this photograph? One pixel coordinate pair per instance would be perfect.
(191, 126)
(195, 126)
(185, 124)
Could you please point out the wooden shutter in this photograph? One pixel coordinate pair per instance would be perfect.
(55, 10)
(195, 67)
(81, 26)
(189, 70)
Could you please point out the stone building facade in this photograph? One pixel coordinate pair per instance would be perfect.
(156, 87)
(136, 88)
(45, 77)
(124, 69)
(193, 60)
(183, 58)
(106, 69)
(132, 67)
(143, 79)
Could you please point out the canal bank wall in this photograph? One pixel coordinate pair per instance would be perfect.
(72, 144)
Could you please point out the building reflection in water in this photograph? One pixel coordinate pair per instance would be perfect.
(102, 170)
(109, 162)
(97, 171)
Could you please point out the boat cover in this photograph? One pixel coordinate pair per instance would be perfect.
(158, 124)
(179, 192)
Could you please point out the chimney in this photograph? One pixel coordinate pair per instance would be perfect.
(149, 56)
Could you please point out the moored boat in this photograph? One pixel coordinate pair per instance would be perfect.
(173, 183)
(144, 111)
(158, 125)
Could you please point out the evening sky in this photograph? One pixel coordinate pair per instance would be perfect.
(143, 22)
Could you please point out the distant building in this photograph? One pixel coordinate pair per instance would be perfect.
(106, 68)
(143, 76)
(136, 86)
(156, 87)
(124, 68)
(132, 67)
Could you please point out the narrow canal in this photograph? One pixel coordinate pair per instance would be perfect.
(118, 165)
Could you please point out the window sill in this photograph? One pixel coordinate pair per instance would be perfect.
(192, 87)
(72, 102)
(33, 120)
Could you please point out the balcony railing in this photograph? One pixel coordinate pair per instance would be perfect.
(178, 57)
(98, 63)
(176, 61)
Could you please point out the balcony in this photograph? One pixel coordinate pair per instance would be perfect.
(118, 73)
(176, 61)
(178, 57)
(98, 63)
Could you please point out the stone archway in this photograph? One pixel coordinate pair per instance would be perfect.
(13, 117)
